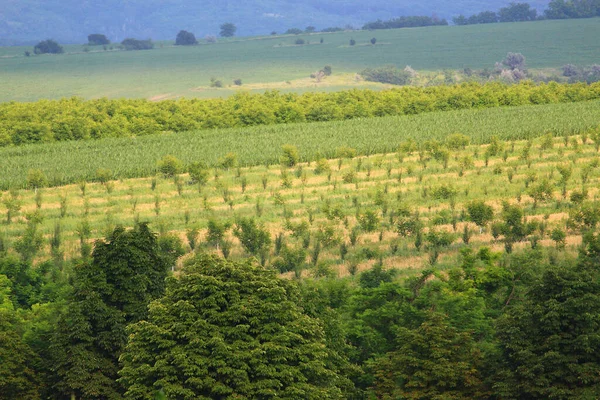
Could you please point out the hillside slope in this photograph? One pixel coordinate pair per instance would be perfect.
(70, 21)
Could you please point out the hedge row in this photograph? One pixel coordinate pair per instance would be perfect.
(77, 119)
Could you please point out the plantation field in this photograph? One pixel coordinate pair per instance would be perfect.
(71, 162)
(360, 206)
(169, 71)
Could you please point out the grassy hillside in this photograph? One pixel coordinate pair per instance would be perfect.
(168, 72)
(69, 162)
(72, 20)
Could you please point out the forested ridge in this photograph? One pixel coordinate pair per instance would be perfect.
(72, 21)
(75, 119)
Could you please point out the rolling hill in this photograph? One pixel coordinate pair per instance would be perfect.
(70, 21)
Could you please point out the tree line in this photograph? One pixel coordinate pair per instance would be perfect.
(75, 119)
(520, 12)
(115, 323)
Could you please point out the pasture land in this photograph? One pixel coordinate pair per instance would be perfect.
(170, 72)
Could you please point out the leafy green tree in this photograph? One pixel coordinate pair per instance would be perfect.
(228, 330)
(126, 272)
(97, 39)
(48, 47)
(199, 173)
(290, 155)
(30, 243)
(254, 238)
(170, 166)
(135, 44)
(480, 213)
(18, 378)
(551, 340)
(26, 282)
(434, 361)
(185, 38)
(228, 29)
(36, 179)
(514, 228)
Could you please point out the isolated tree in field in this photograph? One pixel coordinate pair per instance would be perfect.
(514, 61)
(480, 213)
(373, 40)
(254, 238)
(199, 173)
(97, 39)
(228, 330)
(36, 179)
(48, 47)
(290, 155)
(228, 29)
(135, 44)
(185, 38)
(170, 166)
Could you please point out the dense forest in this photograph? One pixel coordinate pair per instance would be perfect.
(116, 323)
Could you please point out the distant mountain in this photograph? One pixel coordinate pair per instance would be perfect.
(70, 21)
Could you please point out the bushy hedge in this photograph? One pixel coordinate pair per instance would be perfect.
(76, 119)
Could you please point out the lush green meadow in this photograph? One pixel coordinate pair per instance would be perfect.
(169, 71)
(70, 162)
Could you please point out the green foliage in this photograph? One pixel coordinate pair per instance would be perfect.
(18, 378)
(228, 29)
(185, 38)
(199, 173)
(290, 155)
(322, 166)
(36, 179)
(480, 213)
(170, 166)
(433, 361)
(135, 44)
(387, 74)
(97, 39)
(556, 325)
(48, 47)
(252, 236)
(457, 141)
(368, 221)
(127, 271)
(251, 339)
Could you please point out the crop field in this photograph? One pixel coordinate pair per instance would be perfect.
(340, 216)
(170, 72)
(71, 162)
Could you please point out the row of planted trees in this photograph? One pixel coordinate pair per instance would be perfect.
(75, 119)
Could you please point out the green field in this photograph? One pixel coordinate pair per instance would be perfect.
(69, 162)
(169, 71)
(334, 202)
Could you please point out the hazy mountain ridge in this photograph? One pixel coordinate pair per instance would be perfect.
(70, 21)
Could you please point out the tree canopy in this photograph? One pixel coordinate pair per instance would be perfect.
(185, 38)
(228, 29)
(227, 330)
(48, 47)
